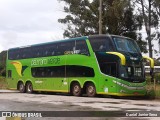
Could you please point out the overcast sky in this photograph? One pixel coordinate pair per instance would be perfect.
(25, 22)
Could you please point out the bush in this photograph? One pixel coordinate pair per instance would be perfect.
(150, 94)
(3, 83)
(157, 77)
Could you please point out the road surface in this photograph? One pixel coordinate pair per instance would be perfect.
(15, 101)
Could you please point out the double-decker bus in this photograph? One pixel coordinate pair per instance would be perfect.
(98, 64)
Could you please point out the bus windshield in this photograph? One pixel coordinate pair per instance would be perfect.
(101, 44)
(126, 45)
(131, 73)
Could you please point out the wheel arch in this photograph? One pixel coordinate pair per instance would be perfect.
(28, 81)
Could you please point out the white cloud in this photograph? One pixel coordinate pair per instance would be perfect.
(24, 22)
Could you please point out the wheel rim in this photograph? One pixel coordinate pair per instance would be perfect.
(76, 89)
(91, 90)
(29, 88)
(21, 87)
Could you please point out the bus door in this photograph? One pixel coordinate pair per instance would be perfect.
(110, 69)
(9, 78)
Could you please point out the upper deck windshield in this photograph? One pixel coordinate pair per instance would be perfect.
(126, 45)
(101, 44)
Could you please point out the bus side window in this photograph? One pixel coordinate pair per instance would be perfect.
(10, 55)
(17, 54)
(79, 71)
(81, 47)
(65, 47)
(60, 49)
(53, 71)
(51, 49)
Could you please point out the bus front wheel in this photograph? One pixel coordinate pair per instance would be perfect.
(29, 87)
(21, 87)
(90, 90)
(76, 89)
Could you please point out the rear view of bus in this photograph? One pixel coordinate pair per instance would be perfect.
(121, 64)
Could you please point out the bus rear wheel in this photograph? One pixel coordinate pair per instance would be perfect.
(21, 87)
(29, 87)
(76, 89)
(90, 90)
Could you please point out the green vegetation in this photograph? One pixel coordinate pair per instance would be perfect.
(3, 56)
(157, 89)
(153, 91)
(123, 17)
(157, 78)
(117, 18)
(3, 83)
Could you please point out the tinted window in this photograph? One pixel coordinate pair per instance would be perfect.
(61, 48)
(25, 53)
(79, 71)
(66, 48)
(59, 71)
(101, 44)
(109, 69)
(14, 54)
(124, 44)
(20, 53)
(81, 48)
(56, 71)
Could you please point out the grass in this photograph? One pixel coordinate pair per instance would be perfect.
(153, 91)
(157, 91)
(3, 83)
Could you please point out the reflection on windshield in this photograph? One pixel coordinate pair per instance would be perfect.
(130, 71)
(127, 45)
(101, 44)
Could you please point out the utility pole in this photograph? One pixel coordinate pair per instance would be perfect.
(100, 16)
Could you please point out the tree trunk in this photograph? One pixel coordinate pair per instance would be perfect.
(147, 23)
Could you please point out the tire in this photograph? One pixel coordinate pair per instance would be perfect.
(21, 87)
(29, 87)
(76, 89)
(90, 90)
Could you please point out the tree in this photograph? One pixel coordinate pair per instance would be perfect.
(117, 18)
(156, 5)
(149, 18)
(3, 56)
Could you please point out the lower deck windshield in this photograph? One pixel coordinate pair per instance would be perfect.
(132, 73)
(127, 73)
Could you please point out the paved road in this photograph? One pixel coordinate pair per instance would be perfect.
(15, 101)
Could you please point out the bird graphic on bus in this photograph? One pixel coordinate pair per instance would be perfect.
(19, 68)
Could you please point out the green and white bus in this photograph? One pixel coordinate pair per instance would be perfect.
(98, 64)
